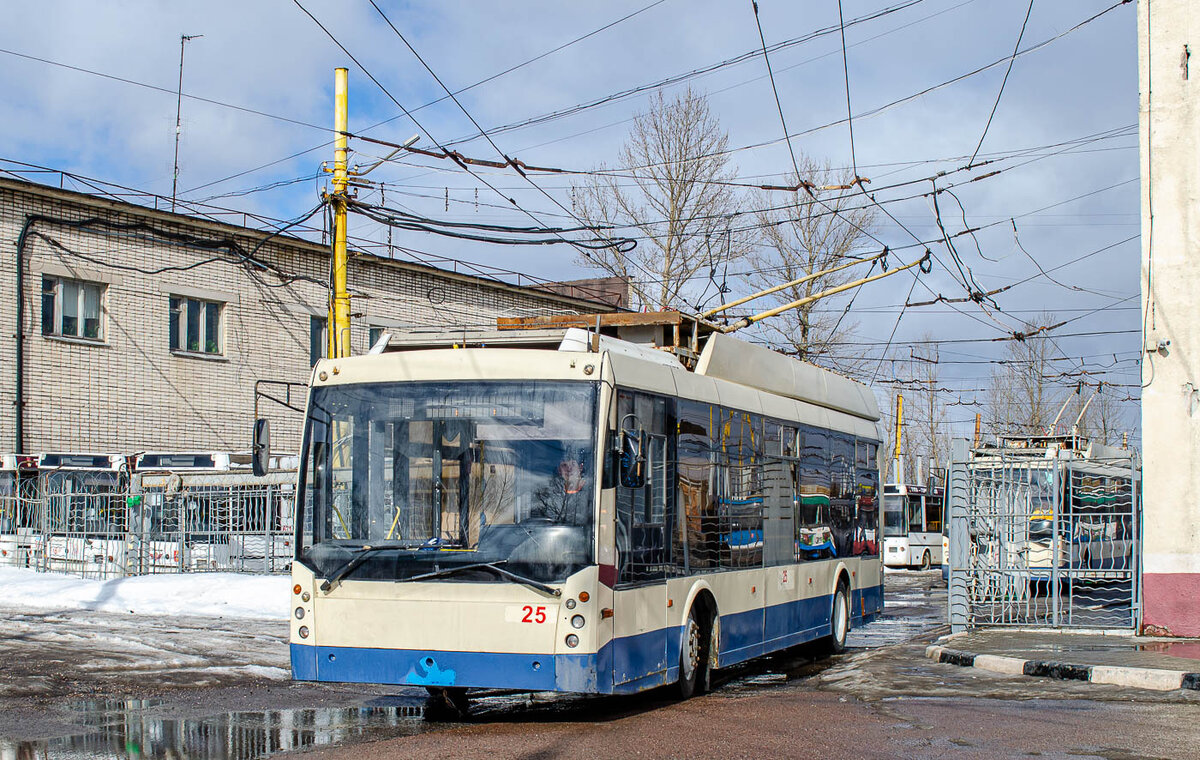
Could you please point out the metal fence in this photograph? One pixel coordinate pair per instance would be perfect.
(1044, 541)
(159, 524)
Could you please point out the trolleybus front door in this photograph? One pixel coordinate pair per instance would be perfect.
(641, 635)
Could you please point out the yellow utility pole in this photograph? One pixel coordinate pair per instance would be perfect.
(899, 430)
(978, 421)
(339, 297)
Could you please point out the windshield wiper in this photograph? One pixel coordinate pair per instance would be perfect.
(491, 567)
(351, 565)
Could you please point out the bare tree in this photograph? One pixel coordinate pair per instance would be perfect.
(1024, 398)
(672, 193)
(801, 236)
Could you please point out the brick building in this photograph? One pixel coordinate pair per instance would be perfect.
(128, 329)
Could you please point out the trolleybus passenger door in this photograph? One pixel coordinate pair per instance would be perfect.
(782, 616)
(640, 636)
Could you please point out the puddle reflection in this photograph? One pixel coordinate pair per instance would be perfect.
(129, 730)
(1187, 649)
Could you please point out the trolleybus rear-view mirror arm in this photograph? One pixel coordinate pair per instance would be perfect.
(632, 453)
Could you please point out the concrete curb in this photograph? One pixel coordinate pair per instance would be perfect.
(1138, 678)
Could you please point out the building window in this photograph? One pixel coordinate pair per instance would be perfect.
(318, 339)
(374, 334)
(72, 308)
(195, 325)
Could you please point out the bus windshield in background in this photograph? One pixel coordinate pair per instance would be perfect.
(437, 476)
(893, 519)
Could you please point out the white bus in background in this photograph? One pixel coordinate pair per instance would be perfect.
(85, 520)
(912, 525)
(570, 515)
(15, 519)
(207, 511)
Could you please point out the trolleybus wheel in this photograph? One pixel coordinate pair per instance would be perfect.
(694, 654)
(926, 561)
(839, 619)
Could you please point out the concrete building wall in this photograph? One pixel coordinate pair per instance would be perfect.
(1170, 131)
(128, 391)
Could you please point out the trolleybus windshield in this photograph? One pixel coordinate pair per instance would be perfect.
(443, 479)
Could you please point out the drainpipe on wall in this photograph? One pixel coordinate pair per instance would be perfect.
(19, 427)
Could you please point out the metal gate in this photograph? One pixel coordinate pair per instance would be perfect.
(165, 523)
(1051, 541)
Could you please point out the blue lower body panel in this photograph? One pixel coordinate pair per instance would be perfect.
(412, 667)
(625, 665)
(868, 602)
(648, 654)
(757, 632)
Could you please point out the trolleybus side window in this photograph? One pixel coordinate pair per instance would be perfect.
(814, 537)
(780, 487)
(695, 484)
(648, 547)
(740, 492)
(841, 497)
(934, 506)
(866, 523)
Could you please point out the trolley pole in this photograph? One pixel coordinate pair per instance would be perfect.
(339, 298)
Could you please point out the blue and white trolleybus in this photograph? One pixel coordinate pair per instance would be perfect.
(585, 514)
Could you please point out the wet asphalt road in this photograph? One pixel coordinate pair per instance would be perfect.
(87, 684)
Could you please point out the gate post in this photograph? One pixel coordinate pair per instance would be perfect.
(1060, 538)
(181, 545)
(268, 513)
(1135, 554)
(958, 605)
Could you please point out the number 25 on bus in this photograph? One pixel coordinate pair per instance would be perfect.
(596, 518)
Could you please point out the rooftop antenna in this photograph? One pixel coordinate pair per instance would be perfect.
(183, 39)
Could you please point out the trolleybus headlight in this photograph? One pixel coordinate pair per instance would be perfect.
(572, 640)
(570, 604)
(305, 597)
(299, 613)
(577, 621)
(304, 632)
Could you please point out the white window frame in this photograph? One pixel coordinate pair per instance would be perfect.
(56, 329)
(178, 342)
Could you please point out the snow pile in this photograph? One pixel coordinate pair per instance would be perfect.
(203, 594)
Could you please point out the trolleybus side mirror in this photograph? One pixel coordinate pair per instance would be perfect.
(260, 449)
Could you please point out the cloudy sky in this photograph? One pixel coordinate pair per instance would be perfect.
(90, 89)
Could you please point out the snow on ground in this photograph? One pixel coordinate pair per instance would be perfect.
(196, 594)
